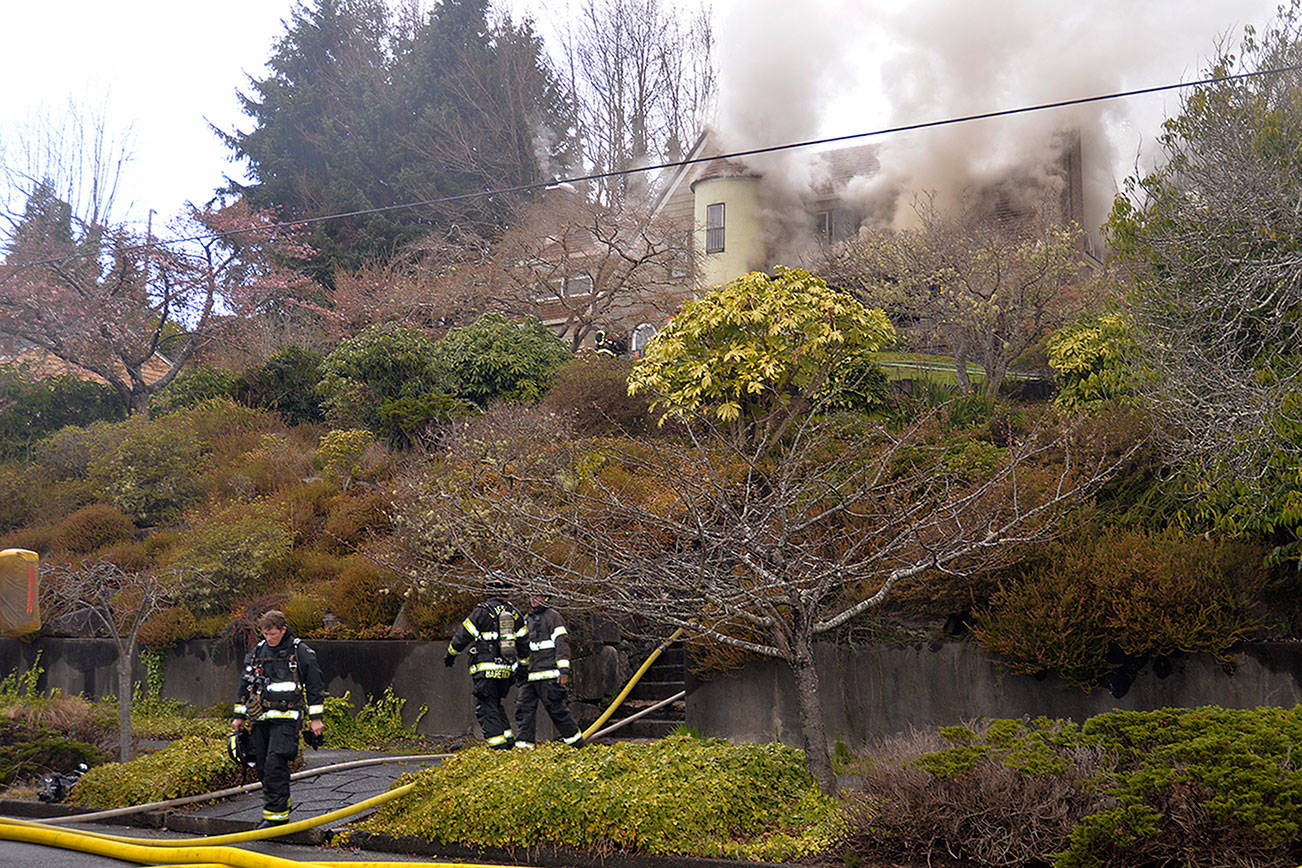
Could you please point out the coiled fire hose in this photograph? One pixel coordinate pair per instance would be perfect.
(207, 851)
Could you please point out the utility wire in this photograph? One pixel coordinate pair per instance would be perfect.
(674, 164)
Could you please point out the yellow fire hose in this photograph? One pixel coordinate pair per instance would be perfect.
(252, 834)
(207, 852)
(632, 682)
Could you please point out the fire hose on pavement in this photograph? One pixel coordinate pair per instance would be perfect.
(208, 851)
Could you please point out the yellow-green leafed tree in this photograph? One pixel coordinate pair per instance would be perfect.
(754, 352)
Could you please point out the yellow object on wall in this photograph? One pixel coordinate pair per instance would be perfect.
(20, 592)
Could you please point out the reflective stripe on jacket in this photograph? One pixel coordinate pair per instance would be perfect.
(283, 674)
(479, 634)
(549, 644)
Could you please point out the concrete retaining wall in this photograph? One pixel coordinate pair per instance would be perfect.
(889, 689)
(866, 693)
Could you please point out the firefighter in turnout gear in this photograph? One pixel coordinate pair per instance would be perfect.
(281, 686)
(548, 672)
(496, 637)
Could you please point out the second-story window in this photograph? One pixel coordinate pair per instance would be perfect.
(714, 228)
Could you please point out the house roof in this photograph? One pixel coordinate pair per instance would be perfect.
(42, 363)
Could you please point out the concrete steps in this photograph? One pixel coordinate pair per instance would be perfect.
(662, 680)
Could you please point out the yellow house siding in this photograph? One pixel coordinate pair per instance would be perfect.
(743, 246)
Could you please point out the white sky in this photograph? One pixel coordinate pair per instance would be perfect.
(166, 67)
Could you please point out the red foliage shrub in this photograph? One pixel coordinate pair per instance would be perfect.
(363, 596)
(353, 518)
(92, 527)
(592, 392)
(1132, 591)
(167, 626)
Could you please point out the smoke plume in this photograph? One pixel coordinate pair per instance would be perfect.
(794, 72)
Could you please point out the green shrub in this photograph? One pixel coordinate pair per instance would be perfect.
(234, 548)
(679, 796)
(203, 383)
(408, 420)
(431, 610)
(92, 527)
(381, 364)
(1128, 591)
(304, 612)
(187, 767)
(495, 359)
(311, 567)
(35, 407)
(859, 385)
(22, 495)
(376, 725)
(68, 453)
(1092, 361)
(340, 454)
(149, 470)
(1225, 780)
(1195, 787)
(27, 752)
(286, 384)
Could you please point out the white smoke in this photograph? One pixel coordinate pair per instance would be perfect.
(794, 72)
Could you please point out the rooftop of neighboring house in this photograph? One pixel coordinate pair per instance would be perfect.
(42, 363)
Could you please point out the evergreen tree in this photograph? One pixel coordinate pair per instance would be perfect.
(359, 113)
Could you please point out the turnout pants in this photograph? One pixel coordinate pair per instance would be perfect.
(552, 695)
(275, 744)
(489, 693)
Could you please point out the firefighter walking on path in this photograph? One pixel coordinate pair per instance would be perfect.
(495, 634)
(278, 672)
(546, 672)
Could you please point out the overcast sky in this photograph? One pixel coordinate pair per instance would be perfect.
(827, 67)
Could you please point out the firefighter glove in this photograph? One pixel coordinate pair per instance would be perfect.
(448, 659)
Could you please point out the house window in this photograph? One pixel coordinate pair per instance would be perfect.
(642, 335)
(714, 228)
(823, 224)
(560, 288)
(579, 285)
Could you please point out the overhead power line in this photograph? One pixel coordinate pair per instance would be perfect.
(750, 152)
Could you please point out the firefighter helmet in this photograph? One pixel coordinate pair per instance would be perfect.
(239, 749)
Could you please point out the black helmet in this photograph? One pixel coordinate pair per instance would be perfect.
(497, 583)
(239, 749)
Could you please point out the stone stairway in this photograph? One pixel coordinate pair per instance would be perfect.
(664, 679)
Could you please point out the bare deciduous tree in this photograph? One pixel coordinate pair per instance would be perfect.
(761, 550)
(433, 284)
(110, 302)
(114, 602)
(1210, 240)
(584, 263)
(643, 80)
(74, 157)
